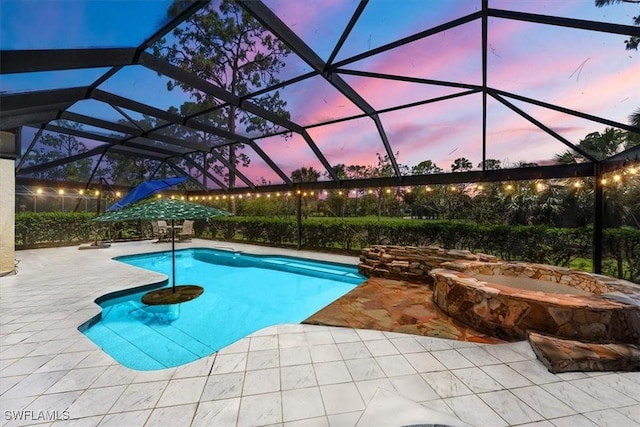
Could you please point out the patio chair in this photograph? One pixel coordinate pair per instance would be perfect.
(163, 230)
(187, 230)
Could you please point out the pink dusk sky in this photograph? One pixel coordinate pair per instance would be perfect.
(582, 70)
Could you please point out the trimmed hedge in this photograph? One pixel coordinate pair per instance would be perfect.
(540, 244)
(65, 228)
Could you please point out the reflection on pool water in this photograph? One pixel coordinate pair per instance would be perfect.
(242, 294)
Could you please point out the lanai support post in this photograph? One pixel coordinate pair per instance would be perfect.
(598, 220)
(299, 219)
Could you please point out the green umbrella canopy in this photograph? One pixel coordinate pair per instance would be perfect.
(164, 209)
(171, 209)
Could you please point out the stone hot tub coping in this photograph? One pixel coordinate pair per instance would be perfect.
(604, 310)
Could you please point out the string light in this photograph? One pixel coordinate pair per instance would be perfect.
(340, 193)
(539, 186)
(159, 196)
(408, 190)
(509, 187)
(617, 178)
(81, 192)
(370, 191)
(452, 188)
(633, 170)
(577, 184)
(97, 193)
(61, 191)
(239, 196)
(481, 187)
(428, 189)
(603, 181)
(388, 190)
(217, 197)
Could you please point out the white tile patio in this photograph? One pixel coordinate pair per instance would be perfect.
(290, 375)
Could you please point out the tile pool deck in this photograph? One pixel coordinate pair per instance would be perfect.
(291, 375)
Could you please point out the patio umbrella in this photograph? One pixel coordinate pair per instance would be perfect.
(167, 209)
(144, 190)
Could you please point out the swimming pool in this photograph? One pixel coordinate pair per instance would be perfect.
(242, 294)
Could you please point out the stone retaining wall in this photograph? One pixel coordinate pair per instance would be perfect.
(508, 312)
(411, 263)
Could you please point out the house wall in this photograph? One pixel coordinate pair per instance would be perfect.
(7, 212)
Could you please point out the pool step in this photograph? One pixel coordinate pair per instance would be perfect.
(142, 343)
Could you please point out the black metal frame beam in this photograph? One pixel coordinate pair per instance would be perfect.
(544, 127)
(485, 42)
(82, 134)
(431, 31)
(128, 150)
(256, 148)
(274, 24)
(179, 170)
(14, 122)
(343, 37)
(500, 175)
(558, 21)
(214, 152)
(32, 144)
(566, 110)
(28, 61)
(35, 182)
(64, 160)
(622, 159)
(42, 100)
(205, 172)
(163, 67)
(116, 100)
(104, 124)
(406, 79)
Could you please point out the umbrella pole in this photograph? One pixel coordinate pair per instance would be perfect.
(173, 256)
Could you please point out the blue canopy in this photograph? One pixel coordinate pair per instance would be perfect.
(145, 190)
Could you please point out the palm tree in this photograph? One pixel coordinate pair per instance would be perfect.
(599, 145)
(305, 174)
(461, 165)
(634, 118)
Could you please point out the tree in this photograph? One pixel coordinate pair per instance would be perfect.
(232, 50)
(599, 145)
(58, 146)
(426, 167)
(491, 164)
(634, 118)
(461, 164)
(305, 174)
(633, 41)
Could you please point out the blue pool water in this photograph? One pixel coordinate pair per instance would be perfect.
(242, 294)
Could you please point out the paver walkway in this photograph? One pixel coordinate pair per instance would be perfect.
(292, 375)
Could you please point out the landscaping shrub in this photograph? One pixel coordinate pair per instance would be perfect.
(539, 244)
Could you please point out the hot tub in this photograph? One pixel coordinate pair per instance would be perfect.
(506, 300)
